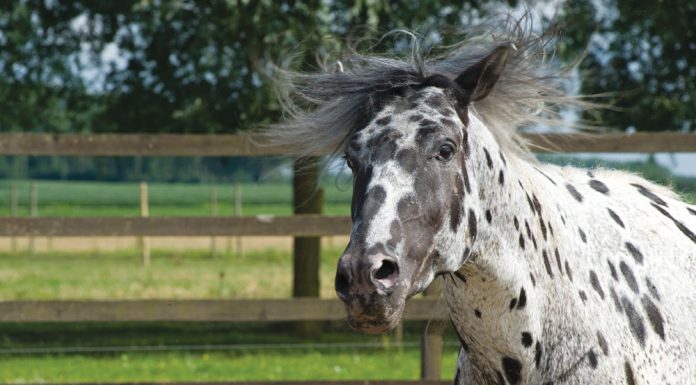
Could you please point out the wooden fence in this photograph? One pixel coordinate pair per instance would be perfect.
(305, 225)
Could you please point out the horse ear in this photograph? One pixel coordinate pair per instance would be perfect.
(479, 79)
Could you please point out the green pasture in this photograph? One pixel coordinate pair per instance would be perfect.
(71, 198)
(249, 351)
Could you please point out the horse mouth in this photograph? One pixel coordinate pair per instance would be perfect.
(375, 313)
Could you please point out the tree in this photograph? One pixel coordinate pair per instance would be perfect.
(645, 50)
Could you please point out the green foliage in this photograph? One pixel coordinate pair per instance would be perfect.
(643, 50)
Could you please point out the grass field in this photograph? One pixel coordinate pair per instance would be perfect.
(58, 198)
(249, 352)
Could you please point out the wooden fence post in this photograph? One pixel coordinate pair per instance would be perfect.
(214, 213)
(33, 212)
(307, 199)
(432, 342)
(144, 212)
(13, 213)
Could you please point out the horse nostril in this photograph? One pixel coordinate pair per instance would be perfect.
(342, 285)
(387, 268)
(386, 274)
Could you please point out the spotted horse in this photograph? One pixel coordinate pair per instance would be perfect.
(551, 275)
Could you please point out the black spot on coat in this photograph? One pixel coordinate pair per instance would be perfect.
(615, 217)
(649, 194)
(628, 274)
(652, 288)
(568, 271)
(537, 354)
(384, 121)
(527, 339)
(637, 255)
(522, 301)
(599, 186)
(489, 161)
(612, 270)
(578, 197)
(512, 369)
(630, 378)
(592, 358)
(654, 316)
(602, 343)
(547, 264)
(635, 321)
(472, 224)
(582, 235)
(677, 223)
(595, 284)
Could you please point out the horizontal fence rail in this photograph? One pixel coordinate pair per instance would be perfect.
(254, 145)
(307, 225)
(238, 310)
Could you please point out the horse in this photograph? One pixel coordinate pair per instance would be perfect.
(551, 275)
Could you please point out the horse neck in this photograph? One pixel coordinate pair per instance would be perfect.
(492, 297)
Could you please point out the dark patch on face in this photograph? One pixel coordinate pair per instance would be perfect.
(522, 301)
(654, 316)
(407, 208)
(383, 121)
(513, 302)
(383, 145)
(677, 223)
(615, 299)
(472, 225)
(537, 205)
(477, 313)
(578, 197)
(637, 255)
(373, 201)
(594, 281)
(547, 264)
(465, 176)
(592, 358)
(527, 339)
(630, 378)
(649, 194)
(435, 101)
(615, 217)
(613, 272)
(449, 123)
(489, 161)
(628, 275)
(537, 354)
(558, 261)
(599, 186)
(548, 224)
(407, 159)
(568, 271)
(427, 128)
(582, 235)
(501, 178)
(456, 205)
(691, 211)
(635, 321)
(583, 295)
(652, 288)
(534, 242)
(516, 223)
(489, 216)
(512, 369)
(394, 233)
(602, 343)
(543, 227)
(521, 241)
(415, 118)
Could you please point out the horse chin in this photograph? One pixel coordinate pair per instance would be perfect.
(377, 315)
(375, 324)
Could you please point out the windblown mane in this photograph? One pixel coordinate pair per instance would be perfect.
(324, 108)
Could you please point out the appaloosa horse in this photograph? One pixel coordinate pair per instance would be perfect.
(552, 275)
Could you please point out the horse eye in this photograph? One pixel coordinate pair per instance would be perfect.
(445, 153)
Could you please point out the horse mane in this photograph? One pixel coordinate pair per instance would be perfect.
(322, 109)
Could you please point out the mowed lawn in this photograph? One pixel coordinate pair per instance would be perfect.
(58, 198)
(186, 351)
